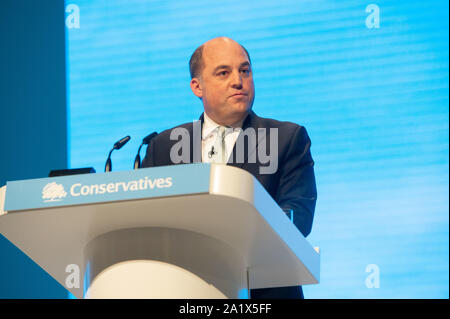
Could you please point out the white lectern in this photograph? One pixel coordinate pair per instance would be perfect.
(184, 231)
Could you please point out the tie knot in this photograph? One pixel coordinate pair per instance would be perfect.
(221, 131)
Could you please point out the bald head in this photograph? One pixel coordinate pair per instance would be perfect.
(196, 63)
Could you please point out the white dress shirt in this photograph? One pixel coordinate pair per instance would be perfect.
(210, 135)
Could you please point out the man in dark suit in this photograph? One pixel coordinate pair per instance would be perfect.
(229, 132)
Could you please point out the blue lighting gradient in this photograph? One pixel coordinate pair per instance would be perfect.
(374, 102)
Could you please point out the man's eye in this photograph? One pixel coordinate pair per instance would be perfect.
(245, 71)
(222, 73)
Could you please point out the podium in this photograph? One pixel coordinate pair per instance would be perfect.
(183, 231)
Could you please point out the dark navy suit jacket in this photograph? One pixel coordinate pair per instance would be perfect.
(291, 186)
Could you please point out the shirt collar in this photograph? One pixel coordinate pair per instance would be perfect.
(209, 126)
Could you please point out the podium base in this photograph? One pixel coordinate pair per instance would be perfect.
(151, 280)
(162, 263)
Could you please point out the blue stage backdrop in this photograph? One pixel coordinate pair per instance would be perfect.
(32, 121)
(369, 81)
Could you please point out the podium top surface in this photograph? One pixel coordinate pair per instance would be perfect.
(53, 219)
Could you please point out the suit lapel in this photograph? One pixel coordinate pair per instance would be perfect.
(251, 121)
(195, 132)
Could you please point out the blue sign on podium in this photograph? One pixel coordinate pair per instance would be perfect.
(105, 187)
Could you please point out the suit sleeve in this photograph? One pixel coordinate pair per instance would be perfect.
(297, 185)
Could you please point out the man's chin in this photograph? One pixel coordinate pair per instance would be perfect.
(239, 113)
(241, 107)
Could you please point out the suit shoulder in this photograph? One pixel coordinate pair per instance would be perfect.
(285, 125)
(288, 132)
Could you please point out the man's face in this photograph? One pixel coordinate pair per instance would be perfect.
(226, 82)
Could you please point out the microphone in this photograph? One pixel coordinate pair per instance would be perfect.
(145, 141)
(211, 152)
(117, 146)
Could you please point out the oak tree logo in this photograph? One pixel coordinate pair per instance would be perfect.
(53, 192)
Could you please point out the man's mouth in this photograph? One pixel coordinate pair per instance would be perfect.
(239, 94)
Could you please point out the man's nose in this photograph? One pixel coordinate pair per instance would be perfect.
(236, 80)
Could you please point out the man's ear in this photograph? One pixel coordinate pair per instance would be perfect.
(196, 87)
